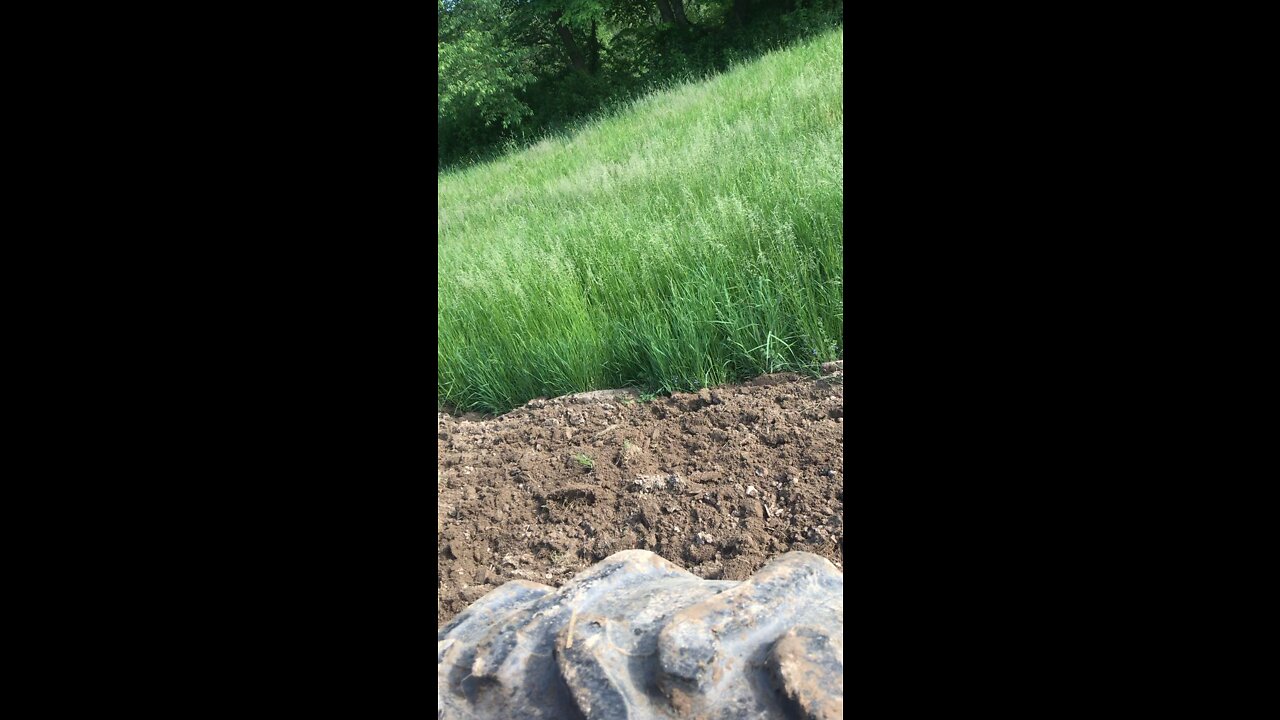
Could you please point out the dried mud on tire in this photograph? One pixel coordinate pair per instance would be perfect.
(635, 636)
(719, 481)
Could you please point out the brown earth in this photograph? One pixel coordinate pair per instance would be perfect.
(718, 482)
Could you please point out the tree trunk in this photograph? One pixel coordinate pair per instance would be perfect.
(593, 50)
(677, 9)
(576, 57)
(664, 7)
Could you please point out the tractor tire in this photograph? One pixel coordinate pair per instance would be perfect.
(636, 637)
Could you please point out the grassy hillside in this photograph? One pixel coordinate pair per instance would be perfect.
(693, 239)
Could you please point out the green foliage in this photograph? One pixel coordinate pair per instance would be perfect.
(585, 461)
(481, 67)
(514, 71)
(577, 13)
(693, 238)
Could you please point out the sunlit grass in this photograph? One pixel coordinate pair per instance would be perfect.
(692, 239)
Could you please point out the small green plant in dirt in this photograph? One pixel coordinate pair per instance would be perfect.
(585, 460)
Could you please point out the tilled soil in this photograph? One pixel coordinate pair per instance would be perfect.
(718, 482)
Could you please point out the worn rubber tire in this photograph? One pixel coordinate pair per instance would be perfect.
(635, 637)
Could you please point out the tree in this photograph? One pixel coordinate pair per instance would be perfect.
(576, 58)
(579, 19)
(664, 8)
(480, 68)
(677, 9)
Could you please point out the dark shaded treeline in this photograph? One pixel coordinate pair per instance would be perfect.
(511, 71)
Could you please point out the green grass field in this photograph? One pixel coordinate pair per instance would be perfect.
(693, 238)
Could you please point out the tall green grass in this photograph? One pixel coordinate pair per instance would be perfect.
(692, 239)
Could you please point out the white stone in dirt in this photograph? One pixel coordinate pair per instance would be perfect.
(651, 482)
(751, 490)
(602, 395)
(705, 538)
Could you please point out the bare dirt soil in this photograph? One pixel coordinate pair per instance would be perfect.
(718, 481)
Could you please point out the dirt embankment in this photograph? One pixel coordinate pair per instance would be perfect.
(718, 482)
